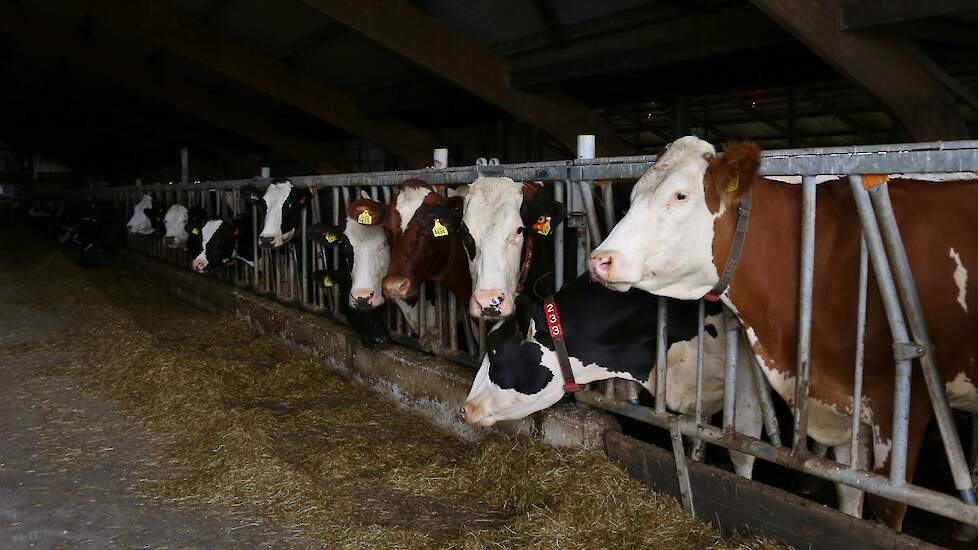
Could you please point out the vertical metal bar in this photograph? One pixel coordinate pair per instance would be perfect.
(585, 150)
(453, 323)
(608, 197)
(184, 166)
(857, 386)
(880, 197)
(894, 316)
(440, 312)
(698, 447)
(768, 413)
(559, 240)
(304, 244)
(470, 342)
(682, 471)
(805, 286)
(254, 233)
(732, 328)
(422, 311)
(660, 355)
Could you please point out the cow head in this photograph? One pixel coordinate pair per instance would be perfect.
(665, 243)
(517, 378)
(219, 241)
(139, 223)
(283, 204)
(417, 255)
(175, 226)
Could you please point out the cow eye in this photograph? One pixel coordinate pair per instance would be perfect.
(680, 196)
(492, 351)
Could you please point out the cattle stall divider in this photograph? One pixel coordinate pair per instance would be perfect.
(572, 184)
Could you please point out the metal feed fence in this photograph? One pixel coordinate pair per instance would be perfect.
(285, 275)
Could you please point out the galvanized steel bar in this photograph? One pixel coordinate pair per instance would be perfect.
(857, 386)
(184, 166)
(732, 329)
(698, 450)
(559, 196)
(880, 197)
(682, 471)
(925, 499)
(769, 415)
(661, 370)
(806, 275)
(894, 315)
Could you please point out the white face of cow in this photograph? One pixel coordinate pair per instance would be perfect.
(371, 259)
(200, 262)
(492, 216)
(664, 244)
(275, 197)
(507, 389)
(139, 224)
(175, 223)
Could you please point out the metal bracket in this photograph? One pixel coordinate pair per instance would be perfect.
(908, 351)
(576, 220)
(682, 471)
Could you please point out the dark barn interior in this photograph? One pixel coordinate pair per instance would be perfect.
(128, 417)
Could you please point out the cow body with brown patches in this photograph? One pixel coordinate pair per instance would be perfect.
(703, 192)
(417, 255)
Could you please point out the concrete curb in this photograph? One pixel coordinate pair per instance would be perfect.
(412, 375)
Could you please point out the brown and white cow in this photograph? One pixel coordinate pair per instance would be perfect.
(676, 239)
(416, 254)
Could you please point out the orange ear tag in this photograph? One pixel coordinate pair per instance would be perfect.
(542, 226)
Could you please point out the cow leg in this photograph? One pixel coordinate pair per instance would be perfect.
(748, 420)
(850, 498)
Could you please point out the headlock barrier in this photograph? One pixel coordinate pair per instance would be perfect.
(587, 187)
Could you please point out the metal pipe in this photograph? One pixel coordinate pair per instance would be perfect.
(806, 283)
(698, 450)
(559, 196)
(880, 197)
(682, 471)
(585, 150)
(771, 424)
(857, 385)
(894, 316)
(732, 328)
(608, 197)
(660, 354)
(184, 166)
(303, 243)
(925, 499)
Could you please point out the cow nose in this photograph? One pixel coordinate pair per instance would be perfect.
(199, 265)
(363, 298)
(170, 240)
(601, 265)
(491, 304)
(266, 242)
(399, 288)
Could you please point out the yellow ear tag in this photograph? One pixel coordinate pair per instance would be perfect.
(732, 184)
(365, 218)
(542, 226)
(195, 231)
(327, 281)
(330, 236)
(438, 229)
(529, 330)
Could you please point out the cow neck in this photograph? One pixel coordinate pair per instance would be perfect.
(764, 277)
(556, 330)
(736, 248)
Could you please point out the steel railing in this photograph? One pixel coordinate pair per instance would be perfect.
(286, 277)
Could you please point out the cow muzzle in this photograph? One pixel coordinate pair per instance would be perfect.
(399, 288)
(364, 299)
(491, 304)
(267, 242)
(602, 265)
(200, 266)
(170, 241)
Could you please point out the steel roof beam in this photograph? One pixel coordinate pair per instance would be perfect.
(461, 60)
(876, 61)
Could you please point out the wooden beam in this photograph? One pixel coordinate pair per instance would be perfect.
(47, 38)
(862, 14)
(461, 60)
(183, 35)
(876, 61)
(551, 20)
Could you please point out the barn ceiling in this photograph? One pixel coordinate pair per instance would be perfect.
(115, 87)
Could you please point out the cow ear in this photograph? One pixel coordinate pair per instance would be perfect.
(325, 235)
(367, 212)
(728, 177)
(542, 215)
(253, 196)
(439, 221)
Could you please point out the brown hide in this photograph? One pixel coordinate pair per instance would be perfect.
(933, 218)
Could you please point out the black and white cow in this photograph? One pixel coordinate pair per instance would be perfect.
(222, 242)
(178, 222)
(608, 335)
(140, 222)
(282, 204)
